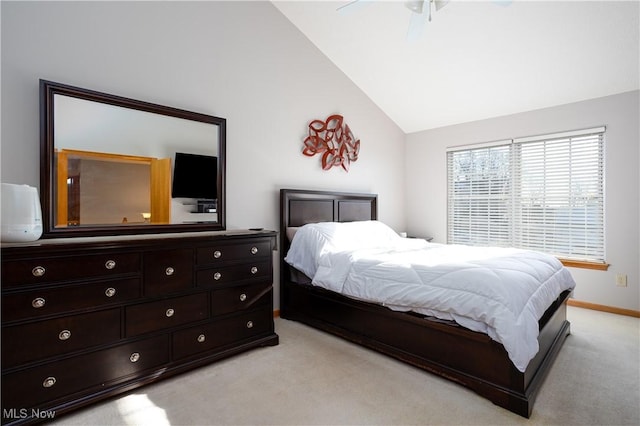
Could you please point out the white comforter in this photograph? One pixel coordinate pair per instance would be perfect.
(499, 291)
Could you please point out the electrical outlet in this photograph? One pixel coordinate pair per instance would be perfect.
(621, 280)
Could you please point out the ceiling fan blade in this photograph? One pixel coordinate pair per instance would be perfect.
(417, 24)
(440, 4)
(415, 6)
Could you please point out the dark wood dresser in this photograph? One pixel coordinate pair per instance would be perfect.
(84, 319)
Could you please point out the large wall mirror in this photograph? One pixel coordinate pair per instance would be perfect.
(112, 165)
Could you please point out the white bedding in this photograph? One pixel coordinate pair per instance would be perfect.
(499, 291)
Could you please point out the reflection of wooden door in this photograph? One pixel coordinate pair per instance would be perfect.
(160, 190)
(67, 185)
(62, 202)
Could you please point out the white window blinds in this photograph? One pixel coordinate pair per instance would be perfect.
(542, 193)
(480, 196)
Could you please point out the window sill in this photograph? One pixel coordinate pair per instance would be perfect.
(585, 265)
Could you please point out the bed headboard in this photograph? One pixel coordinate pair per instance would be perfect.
(299, 207)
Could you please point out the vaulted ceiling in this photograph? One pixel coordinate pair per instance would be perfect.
(476, 59)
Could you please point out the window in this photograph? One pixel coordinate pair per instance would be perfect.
(543, 193)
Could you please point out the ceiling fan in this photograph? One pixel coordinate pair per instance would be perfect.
(416, 6)
(421, 15)
(424, 7)
(422, 12)
(421, 9)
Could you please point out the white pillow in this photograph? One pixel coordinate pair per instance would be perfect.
(313, 240)
(291, 231)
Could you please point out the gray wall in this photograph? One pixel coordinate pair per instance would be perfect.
(240, 60)
(426, 177)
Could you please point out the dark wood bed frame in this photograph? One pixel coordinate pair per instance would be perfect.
(469, 358)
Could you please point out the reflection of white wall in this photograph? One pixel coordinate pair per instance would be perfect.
(93, 126)
(112, 191)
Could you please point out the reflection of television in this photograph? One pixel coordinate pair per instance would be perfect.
(195, 176)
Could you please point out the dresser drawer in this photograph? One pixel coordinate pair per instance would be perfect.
(37, 303)
(166, 313)
(31, 342)
(35, 386)
(66, 268)
(259, 270)
(222, 333)
(167, 271)
(232, 299)
(224, 252)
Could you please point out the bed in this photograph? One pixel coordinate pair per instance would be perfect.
(443, 347)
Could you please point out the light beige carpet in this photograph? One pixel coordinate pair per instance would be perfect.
(313, 378)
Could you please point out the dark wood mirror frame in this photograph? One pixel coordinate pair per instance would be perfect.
(48, 90)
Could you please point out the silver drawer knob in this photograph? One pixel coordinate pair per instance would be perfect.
(169, 271)
(48, 382)
(64, 335)
(38, 271)
(249, 324)
(201, 338)
(134, 357)
(254, 250)
(243, 297)
(38, 302)
(170, 312)
(217, 276)
(254, 269)
(110, 292)
(110, 264)
(217, 254)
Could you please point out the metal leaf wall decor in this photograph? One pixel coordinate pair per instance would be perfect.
(334, 140)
